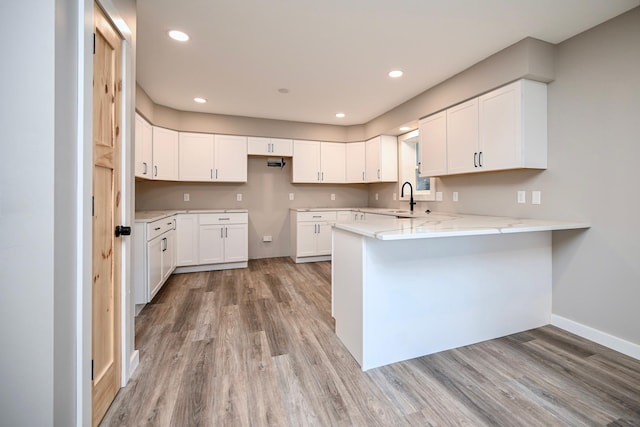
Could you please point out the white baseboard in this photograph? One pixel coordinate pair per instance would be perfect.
(134, 361)
(602, 338)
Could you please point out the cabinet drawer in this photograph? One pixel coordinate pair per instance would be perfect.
(156, 228)
(224, 218)
(317, 216)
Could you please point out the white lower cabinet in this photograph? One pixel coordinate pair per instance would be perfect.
(210, 241)
(311, 235)
(154, 257)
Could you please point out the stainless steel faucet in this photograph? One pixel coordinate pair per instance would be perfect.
(411, 202)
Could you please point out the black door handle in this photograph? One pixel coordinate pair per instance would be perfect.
(123, 230)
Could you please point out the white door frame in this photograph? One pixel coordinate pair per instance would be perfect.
(83, 205)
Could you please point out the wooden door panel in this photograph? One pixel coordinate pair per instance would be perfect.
(107, 86)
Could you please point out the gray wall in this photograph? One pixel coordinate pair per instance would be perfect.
(265, 195)
(594, 150)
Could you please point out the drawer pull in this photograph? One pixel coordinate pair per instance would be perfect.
(156, 229)
(317, 216)
(224, 219)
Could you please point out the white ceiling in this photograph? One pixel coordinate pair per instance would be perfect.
(333, 55)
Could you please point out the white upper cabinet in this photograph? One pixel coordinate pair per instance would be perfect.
(333, 162)
(165, 154)
(355, 163)
(463, 154)
(206, 157)
(143, 148)
(433, 145)
(270, 146)
(513, 127)
(319, 162)
(381, 156)
(196, 157)
(306, 161)
(230, 158)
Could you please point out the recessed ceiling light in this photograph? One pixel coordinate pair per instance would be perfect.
(200, 100)
(340, 115)
(178, 35)
(395, 74)
(404, 128)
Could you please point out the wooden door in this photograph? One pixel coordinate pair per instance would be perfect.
(107, 86)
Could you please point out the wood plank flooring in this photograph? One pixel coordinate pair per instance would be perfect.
(256, 347)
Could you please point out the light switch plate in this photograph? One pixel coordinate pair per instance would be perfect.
(536, 197)
(291, 197)
(239, 197)
(438, 196)
(455, 196)
(522, 196)
(186, 197)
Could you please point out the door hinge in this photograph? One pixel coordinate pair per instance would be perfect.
(91, 369)
(92, 205)
(94, 43)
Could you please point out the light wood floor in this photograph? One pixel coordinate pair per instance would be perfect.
(255, 347)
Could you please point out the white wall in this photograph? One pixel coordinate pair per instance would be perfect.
(37, 220)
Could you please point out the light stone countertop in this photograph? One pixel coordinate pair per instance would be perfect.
(437, 224)
(150, 216)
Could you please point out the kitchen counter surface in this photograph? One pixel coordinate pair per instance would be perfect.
(436, 224)
(150, 216)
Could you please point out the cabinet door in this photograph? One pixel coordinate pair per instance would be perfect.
(211, 244)
(388, 158)
(196, 157)
(154, 266)
(306, 161)
(281, 147)
(372, 158)
(258, 146)
(462, 138)
(332, 162)
(500, 128)
(230, 158)
(355, 163)
(143, 148)
(168, 254)
(187, 239)
(433, 145)
(165, 154)
(236, 245)
(323, 239)
(306, 239)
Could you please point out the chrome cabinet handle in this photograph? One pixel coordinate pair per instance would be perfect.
(221, 233)
(145, 168)
(480, 159)
(156, 229)
(363, 175)
(156, 170)
(226, 232)
(475, 160)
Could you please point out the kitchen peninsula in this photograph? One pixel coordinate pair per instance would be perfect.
(409, 287)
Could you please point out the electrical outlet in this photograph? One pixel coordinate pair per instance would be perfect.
(395, 196)
(333, 196)
(267, 238)
(291, 196)
(522, 196)
(376, 196)
(455, 196)
(536, 197)
(239, 197)
(438, 196)
(186, 197)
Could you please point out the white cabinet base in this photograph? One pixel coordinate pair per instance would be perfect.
(401, 299)
(299, 260)
(211, 267)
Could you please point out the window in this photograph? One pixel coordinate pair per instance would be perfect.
(424, 188)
